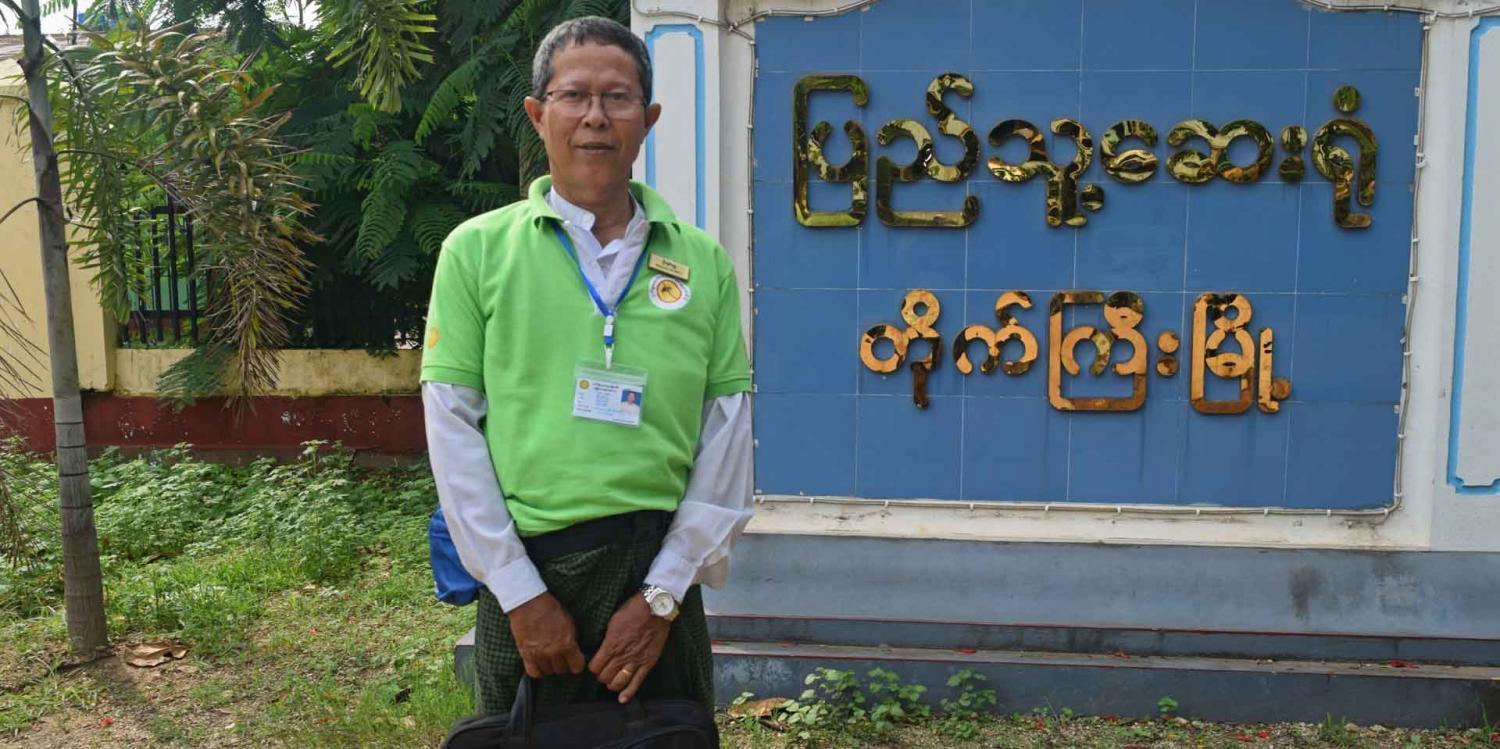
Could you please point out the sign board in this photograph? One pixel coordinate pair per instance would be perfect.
(1148, 252)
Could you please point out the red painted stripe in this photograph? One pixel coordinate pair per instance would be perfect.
(367, 423)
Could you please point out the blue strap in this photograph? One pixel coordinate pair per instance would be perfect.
(606, 310)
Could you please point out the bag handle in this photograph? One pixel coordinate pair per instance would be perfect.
(524, 706)
(520, 710)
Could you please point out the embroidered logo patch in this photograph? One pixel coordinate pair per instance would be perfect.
(669, 293)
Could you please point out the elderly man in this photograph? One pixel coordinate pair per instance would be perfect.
(589, 515)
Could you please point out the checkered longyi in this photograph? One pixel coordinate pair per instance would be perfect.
(592, 585)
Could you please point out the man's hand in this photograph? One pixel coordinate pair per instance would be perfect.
(546, 637)
(632, 645)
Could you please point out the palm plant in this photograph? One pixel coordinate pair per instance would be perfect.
(174, 108)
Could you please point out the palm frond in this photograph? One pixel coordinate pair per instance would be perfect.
(431, 221)
(384, 39)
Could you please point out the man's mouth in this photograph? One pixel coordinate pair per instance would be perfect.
(595, 147)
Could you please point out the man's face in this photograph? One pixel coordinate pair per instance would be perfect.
(593, 149)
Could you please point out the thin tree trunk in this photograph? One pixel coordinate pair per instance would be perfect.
(82, 584)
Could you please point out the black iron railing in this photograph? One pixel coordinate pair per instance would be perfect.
(165, 307)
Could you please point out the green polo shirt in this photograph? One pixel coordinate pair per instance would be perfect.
(510, 316)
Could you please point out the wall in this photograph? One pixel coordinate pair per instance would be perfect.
(21, 264)
(1429, 512)
(368, 403)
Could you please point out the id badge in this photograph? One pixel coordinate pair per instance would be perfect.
(615, 395)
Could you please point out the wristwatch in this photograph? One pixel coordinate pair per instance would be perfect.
(661, 602)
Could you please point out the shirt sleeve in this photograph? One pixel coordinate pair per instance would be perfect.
(454, 346)
(716, 505)
(728, 366)
(469, 492)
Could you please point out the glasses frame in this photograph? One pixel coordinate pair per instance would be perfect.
(604, 101)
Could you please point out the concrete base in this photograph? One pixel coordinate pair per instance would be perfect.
(1085, 675)
(1220, 689)
(1239, 634)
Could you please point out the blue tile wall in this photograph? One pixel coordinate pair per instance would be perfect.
(1026, 35)
(825, 425)
(906, 453)
(1138, 35)
(804, 444)
(1252, 35)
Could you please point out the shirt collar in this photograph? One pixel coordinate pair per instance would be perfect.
(655, 206)
(584, 218)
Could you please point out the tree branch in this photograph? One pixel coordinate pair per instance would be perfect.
(16, 9)
(18, 206)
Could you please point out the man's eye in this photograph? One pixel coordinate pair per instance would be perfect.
(572, 97)
(617, 97)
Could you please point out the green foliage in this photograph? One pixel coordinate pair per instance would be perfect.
(287, 638)
(1336, 732)
(193, 549)
(961, 714)
(391, 184)
(837, 700)
(143, 115)
(840, 690)
(390, 179)
(31, 576)
(1167, 707)
(155, 507)
(893, 701)
(384, 36)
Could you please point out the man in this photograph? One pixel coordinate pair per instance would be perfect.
(543, 314)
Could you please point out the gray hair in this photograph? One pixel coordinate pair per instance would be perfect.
(588, 30)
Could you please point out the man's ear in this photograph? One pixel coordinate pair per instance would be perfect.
(534, 111)
(653, 113)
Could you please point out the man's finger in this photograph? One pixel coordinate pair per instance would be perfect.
(604, 656)
(531, 667)
(574, 658)
(621, 678)
(560, 663)
(635, 684)
(608, 672)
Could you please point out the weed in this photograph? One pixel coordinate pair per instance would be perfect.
(961, 714)
(1167, 707)
(893, 701)
(1335, 732)
(840, 692)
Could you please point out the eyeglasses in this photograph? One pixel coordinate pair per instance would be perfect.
(615, 103)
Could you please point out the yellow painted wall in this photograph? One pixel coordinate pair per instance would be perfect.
(127, 371)
(21, 264)
(303, 373)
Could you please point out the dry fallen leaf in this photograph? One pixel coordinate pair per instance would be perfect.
(153, 654)
(757, 708)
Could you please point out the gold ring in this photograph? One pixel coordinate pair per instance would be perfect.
(626, 670)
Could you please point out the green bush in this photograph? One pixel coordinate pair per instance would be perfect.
(156, 506)
(961, 714)
(895, 702)
(191, 549)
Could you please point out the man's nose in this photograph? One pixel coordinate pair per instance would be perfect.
(595, 115)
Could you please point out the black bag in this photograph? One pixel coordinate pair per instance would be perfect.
(604, 724)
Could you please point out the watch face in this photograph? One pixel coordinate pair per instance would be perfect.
(661, 604)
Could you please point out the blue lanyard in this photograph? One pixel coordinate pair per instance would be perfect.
(604, 309)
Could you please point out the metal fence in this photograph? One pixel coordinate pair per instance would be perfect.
(165, 308)
(342, 310)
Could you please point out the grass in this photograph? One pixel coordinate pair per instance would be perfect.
(304, 595)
